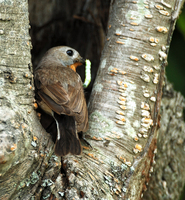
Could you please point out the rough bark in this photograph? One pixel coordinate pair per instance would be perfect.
(25, 148)
(143, 32)
(122, 158)
(168, 176)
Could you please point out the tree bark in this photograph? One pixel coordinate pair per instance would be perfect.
(168, 175)
(25, 148)
(127, 138)
(138, 43)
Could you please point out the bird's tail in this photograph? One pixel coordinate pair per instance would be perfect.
(67, 140)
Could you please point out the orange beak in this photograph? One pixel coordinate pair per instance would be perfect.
(75, 65)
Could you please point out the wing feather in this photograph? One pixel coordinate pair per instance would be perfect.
(65, 97)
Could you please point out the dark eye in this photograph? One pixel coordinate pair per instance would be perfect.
(69, 52)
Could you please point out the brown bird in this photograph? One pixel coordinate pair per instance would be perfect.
(59, 92)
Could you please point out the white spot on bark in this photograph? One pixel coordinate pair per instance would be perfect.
(136, 124)
(1, 31)
(110, 68)
(6, 114)
(1, 81)
(166, 4)
(139, 14)
(131, 108)
(103, 63)
(162, 54)
(147, 57)
(127, 42)
(98, 87)
(118, 31)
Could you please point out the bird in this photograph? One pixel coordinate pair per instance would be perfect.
(59, 93)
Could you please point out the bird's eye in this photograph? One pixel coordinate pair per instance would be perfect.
(69, 52)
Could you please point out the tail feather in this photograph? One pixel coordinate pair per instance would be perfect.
(67, 140)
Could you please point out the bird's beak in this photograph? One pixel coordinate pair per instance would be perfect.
(77, 62)
(82, 60)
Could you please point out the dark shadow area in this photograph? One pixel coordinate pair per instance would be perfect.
(80, 24)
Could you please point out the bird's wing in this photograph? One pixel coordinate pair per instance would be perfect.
(54, 101)
(64, 95)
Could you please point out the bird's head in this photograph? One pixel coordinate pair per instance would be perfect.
(64, 55)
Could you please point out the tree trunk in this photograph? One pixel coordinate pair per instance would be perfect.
(25, 148)
(168, 176)
(127, 138)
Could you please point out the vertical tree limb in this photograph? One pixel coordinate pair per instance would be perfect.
(124, 114)
(24, 145)
(126, 97)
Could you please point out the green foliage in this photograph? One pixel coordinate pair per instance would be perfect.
(182, 197)
(181, 23)
(176, 59)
